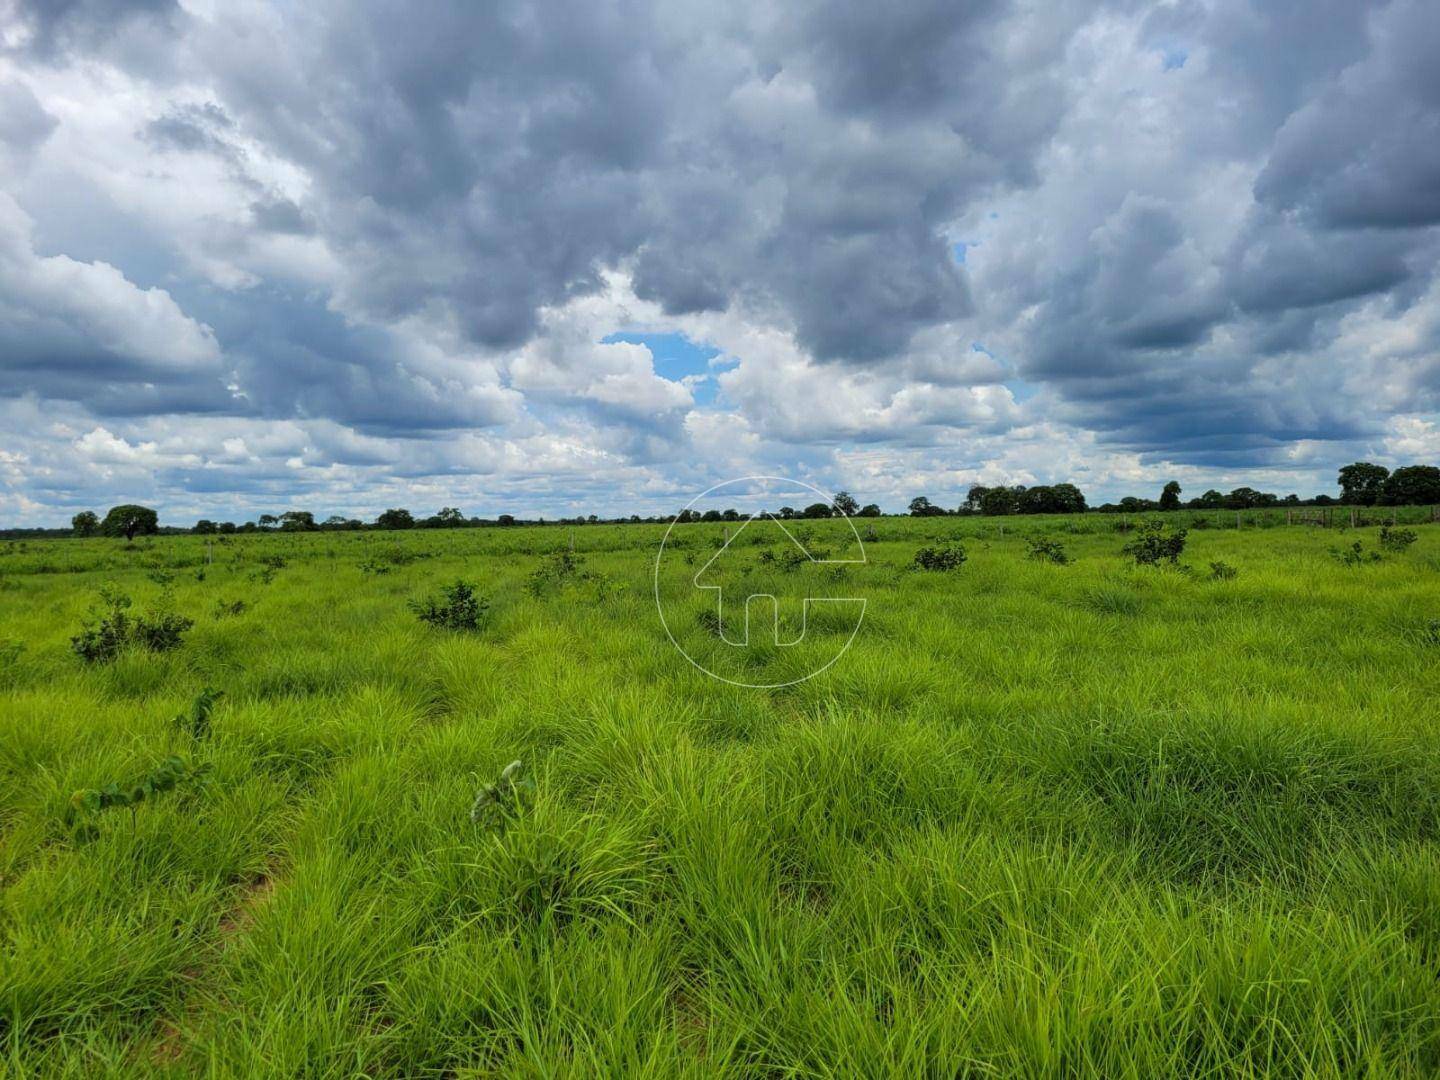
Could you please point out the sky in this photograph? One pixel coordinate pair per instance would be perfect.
(545, 257)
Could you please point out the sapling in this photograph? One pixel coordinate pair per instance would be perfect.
(88, 803)
(502, 802)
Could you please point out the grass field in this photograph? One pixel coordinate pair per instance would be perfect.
(1039, 820)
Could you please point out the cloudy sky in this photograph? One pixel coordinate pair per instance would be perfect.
(558, 257)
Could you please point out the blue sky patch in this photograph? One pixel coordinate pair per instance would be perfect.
(676, 356)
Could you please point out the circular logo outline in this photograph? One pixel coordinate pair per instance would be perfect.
(660, 608)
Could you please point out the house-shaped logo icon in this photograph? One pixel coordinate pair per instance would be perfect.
(771, 605)
(759, 613)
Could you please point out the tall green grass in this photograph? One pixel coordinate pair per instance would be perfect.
(1039, 820)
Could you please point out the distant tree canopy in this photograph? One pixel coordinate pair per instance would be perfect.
(297, 521)
(1041, 499)
(818, 510)
(1360, 483)
(1413, 485)
(204, 527)
(869, 510)
(845, 503)
(1170, 496)
(85, 523)
(921, 506)
(129, 520)
(395, 519)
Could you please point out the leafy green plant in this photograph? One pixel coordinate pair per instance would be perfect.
(555, 569)
(161, 631)
(225, 609)
(197, 720)
(1397, 540)
(1355, 555)
(111, 628)
(791, 559)
(388, 558)
(1043, 549)
(942, 558)
(455, 607)
(87, 804)
(1156, 543)
(1223, 571)
(108, 629)
(500, 803)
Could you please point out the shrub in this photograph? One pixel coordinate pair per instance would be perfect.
(1046, 550)
(1222, 571)
(161, 631)
(228, 608)
(1156, 543)
(791, 559)
(455, 607)
(1355, 555)
(1396, 539)
(101, 638)
(945, 557)
(555, 569)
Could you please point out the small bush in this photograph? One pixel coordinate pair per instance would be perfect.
(945, 557)
(455, 607)
(557, 568)
(226, 609)
(1156, 543)
(1396, 539)
(388, 558)
(791, 559)
(1043, 549)
(161, 631)
(108, 630)
(1355, 555)
(1223, 571)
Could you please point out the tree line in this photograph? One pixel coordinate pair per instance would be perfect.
(1361, 484)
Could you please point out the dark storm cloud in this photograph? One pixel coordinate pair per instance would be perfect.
(1165, 341)
(805, 168)
(415, 194)
(1365, 152)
